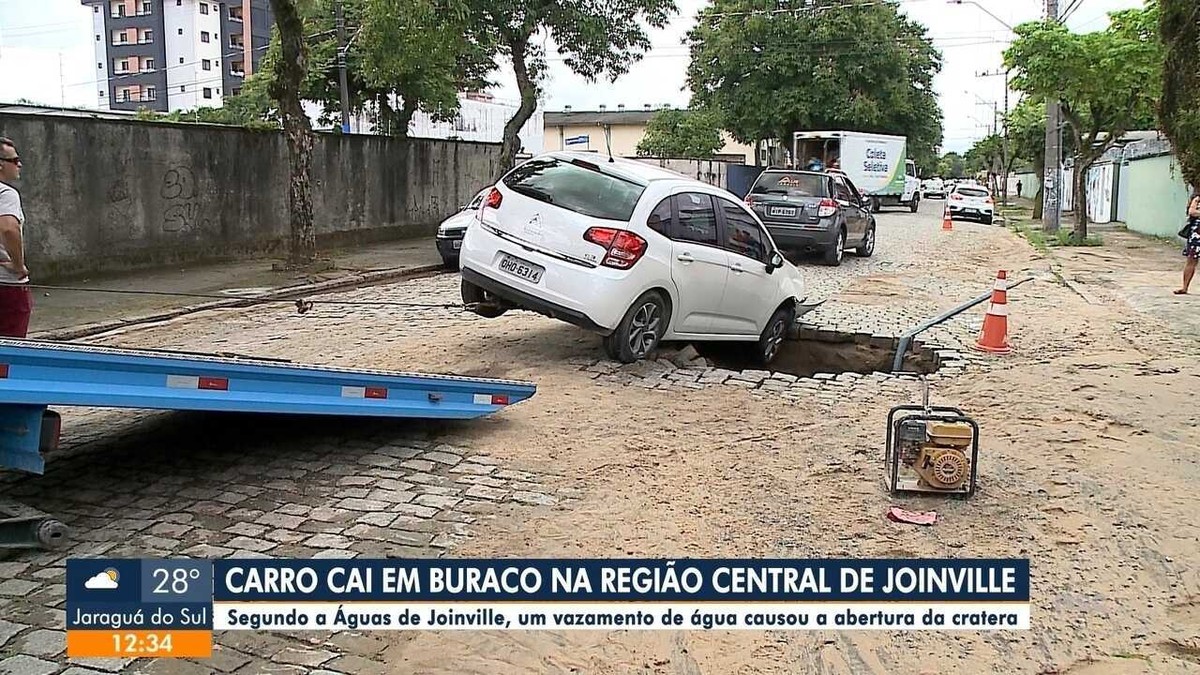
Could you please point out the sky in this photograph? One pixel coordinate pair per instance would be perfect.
(47, 56)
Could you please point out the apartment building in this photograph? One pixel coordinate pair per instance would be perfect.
(169, 55)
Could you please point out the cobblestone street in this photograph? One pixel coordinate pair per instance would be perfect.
(650, 460)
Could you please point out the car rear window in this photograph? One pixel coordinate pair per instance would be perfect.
(972, 192)
(791, 184)
(576, 186)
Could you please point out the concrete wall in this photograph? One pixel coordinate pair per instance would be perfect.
(1157, 196)
(107, 195)
(711, 171)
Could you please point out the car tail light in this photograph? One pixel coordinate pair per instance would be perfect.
(956, 197)
(493, 200)
(827, 208)
(624, 248)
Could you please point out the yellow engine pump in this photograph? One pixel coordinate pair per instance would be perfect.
(942, 461)
(931, 449)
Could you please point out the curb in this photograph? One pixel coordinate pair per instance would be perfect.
(90, 329)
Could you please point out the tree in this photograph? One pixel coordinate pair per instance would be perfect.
(951, 165)
(1106, 83)
(1026, 126)
(288, 75)
(401, 56)
(690, 134)
(1179, 111)
(594, 38)
(251, 108)
(813, 65)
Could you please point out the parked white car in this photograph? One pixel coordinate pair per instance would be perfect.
(635, 253)
(971, 201)
(450, 231)
(934, 188)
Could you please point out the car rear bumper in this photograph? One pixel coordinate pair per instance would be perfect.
(820, 236)
(970, 211)
(531, 302)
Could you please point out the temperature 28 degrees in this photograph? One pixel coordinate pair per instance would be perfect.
(175, 581)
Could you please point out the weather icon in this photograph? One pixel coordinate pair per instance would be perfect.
(106, 580)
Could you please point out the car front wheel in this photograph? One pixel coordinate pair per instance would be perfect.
(868, 246)
(481, 302)
(640, 330)
(770, 343)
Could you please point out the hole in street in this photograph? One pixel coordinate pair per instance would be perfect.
(825, 351)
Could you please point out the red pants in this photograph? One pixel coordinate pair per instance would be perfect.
(16, 304)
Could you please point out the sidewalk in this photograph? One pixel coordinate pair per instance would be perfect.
(69, 314)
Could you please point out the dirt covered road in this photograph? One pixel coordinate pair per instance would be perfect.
(1088, 460)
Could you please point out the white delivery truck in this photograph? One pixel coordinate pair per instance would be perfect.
(878, 165)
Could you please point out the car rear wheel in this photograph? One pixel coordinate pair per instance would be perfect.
(770, 343)
(915, 204)
(640, 330)
(835, 254)
(481, 302)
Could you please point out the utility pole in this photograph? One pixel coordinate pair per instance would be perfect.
(1051, 188)
(341, 60)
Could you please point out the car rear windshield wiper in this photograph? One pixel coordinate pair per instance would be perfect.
(540, 195)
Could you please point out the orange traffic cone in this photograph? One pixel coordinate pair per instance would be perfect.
(994, 336)
(947, 221)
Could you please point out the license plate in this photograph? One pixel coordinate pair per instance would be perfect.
(782, 211)
(458, 243)
(521, 268)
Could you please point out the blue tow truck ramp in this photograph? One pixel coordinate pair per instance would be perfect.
(35, 375)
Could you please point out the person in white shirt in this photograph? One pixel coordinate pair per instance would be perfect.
(16, 300)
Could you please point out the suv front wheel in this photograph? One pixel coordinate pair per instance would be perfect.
(640, 330)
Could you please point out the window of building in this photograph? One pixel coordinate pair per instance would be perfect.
(204, 36)
(181, 31)
(97, 37)
(207, 92)
(235, 14)
(204, 8)
(206, 64)
(122, 66)
(149, 94)
(237, 68)
(147, 7)
(147, 65)
(120, 37)
(237, 91)
(117, 8)
(96, 10)
(147, 37)
(183, 87)
(101, 93)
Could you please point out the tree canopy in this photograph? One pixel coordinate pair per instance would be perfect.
(1179, 112)
(816, 65)
(1106, 82)
(691, 134)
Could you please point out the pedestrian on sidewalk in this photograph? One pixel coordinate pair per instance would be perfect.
(16, 300)
(1191, 239)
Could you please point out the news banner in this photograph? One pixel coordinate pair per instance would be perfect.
(171, 607)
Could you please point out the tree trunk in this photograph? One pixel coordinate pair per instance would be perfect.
(404, 119)
(528, 89)
(290, 70)
(1080, 199)
(1039, 200)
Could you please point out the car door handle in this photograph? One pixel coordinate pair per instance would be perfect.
(737, 268)
(685, 257)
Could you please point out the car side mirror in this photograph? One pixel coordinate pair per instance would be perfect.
(775, 262)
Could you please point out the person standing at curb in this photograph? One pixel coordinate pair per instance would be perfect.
(16, 300)
(1191, 241)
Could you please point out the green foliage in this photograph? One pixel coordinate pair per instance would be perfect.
(690, 134)
(1107, 82)
(951, 165)
(252, 108)
(594, 39)
(1179, 112)
(827, 64)
(985, 156)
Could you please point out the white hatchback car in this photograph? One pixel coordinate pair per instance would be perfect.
(971, 201)
(635, 253)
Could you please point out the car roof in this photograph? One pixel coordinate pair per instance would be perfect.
(624, 167)
(801, 171)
